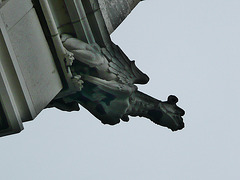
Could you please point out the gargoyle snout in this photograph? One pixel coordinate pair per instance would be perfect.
(181, 112)
(173, 100)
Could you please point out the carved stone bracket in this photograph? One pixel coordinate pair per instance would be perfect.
(109, 91)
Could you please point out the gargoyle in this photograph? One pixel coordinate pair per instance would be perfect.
(109, 91)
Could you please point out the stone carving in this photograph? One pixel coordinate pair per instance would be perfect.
(109, 91)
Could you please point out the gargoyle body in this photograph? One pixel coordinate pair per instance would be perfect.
(109, 91)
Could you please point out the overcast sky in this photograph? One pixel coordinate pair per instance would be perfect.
(188, 48)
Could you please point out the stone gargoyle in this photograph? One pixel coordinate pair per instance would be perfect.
(108, 87)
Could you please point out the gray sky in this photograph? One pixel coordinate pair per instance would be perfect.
(188, 48)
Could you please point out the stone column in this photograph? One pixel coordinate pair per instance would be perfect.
(115, 11)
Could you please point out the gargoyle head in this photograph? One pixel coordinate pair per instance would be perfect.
(168, 114)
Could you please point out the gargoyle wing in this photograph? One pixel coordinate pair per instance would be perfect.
(110, 62)
(123, 67)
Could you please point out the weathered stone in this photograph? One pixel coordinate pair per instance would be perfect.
(109, 91)
(115, 11)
